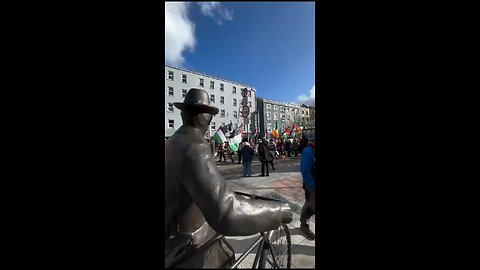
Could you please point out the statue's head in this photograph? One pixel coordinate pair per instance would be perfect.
(196, 109)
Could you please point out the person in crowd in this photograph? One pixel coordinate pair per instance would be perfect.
(247, 155)
(228, 151)
(288, 147)
(221, 152)
(295, 147)
(265, 157)
(307, 168)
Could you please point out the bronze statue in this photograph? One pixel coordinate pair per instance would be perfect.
(198, 203)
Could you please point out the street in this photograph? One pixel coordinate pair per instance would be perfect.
(284, 183)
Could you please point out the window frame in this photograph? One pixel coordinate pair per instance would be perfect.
(201, 82)
(173, 123)
(184, 76)
(212, 85)
(173, 76)
(212, 98)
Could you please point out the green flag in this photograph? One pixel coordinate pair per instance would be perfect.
(219, 137)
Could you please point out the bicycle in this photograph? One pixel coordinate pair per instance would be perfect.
(275, 246)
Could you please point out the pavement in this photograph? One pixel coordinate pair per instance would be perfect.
(284, 183)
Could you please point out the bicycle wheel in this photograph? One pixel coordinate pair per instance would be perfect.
(277, 253)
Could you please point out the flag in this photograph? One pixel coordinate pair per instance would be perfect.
(275, 131)
(235, 142)
(285, 134)
(219, 137)
(294, 131)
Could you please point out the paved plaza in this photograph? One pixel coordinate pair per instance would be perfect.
(284, 183)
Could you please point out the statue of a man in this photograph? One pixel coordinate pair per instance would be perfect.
(198, 203)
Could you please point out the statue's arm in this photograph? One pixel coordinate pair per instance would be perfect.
(225, 212)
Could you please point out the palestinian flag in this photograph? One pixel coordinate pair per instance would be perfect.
(296, 131)
(235, 142)
(219, 137)
(275, 132)
(285, 134)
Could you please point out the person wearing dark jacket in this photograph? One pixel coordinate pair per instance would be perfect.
(247, 154)
(288, 146)
(199, 205)
(265, 157)
(295, 147)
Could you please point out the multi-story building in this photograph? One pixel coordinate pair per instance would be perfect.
(224, 94)
(273, 113)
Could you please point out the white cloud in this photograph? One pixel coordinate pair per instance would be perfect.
(179, 32)
(216, 11)
(308, 100)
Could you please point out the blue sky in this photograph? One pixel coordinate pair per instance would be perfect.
(270, 46)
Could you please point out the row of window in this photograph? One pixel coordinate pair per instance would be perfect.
(282, 109)
(171, 124)
(171, 109)
(202, 84)
(282, 117)
(212, 97)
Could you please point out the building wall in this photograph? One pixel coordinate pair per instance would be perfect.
(292, 114)
(193, 81)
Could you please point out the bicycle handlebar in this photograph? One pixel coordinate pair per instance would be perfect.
(253, 196)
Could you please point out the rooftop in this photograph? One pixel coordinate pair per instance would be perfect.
(211, 76)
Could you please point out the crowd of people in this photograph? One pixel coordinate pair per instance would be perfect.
(265, 150)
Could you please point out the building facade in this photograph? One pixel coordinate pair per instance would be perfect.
(273, 113)
(224, 94)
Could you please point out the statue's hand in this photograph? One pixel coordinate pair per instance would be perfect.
(287, 216)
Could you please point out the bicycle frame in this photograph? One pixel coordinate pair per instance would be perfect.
(264, 241)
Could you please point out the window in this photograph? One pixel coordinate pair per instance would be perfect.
(268, 106)
(306, 112)
(282, 109)
(250, 104)
(212, 126)
(184, 92)
(275, 116)
(222, 100)
(212, 85)
(268, 116)
(184, 78)
(170, 75)
(235, 114)
(222, 113)
(235, 102)
(250, 93)
(212, 98)
(170, 107)
(221, 87)
(170, 91)
(171, 123)
(288, 117)
(282, 116)
(200, 83)
(234, 91)
(274, 107)
(269, 127)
